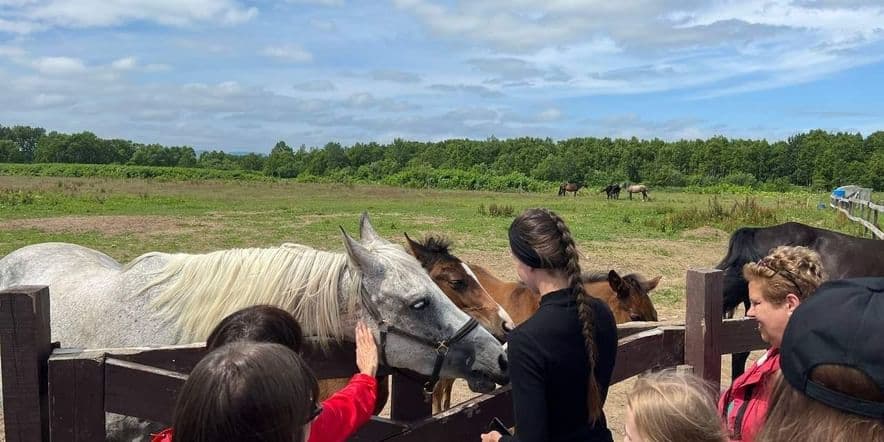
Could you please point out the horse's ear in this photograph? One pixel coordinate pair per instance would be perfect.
(360, 256)
(417, 249)
(367, 233)
(617, 284)
(652, 284)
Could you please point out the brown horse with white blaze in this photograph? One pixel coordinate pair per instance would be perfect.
(627, 296)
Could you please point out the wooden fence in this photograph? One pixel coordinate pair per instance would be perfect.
(62, 395)
(862, 211)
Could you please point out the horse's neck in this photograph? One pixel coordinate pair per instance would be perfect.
(600, 290)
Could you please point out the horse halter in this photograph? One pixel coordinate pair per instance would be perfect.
(440, 347)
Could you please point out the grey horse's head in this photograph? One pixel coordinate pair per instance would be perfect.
(403, 294)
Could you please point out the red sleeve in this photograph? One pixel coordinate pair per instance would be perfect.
(345, 411)
(162, 436)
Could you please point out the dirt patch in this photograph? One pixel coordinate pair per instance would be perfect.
(109, 225)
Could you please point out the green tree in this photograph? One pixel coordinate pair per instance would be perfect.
(281, 162)
(10, 153)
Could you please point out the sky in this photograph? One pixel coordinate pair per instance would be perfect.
(241, 75)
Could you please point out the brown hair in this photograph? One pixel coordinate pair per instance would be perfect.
(787, 269)
(259, 323)
(259, 392)
(794, 417)
(670, 406)
(540, 239)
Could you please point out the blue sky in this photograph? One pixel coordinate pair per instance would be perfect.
(240, 75)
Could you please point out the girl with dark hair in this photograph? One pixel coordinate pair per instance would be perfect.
(247, 391)
(342, 413)
(561, 359)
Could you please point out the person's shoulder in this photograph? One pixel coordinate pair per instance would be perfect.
(601, 307)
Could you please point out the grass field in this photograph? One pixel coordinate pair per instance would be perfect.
(125, 218)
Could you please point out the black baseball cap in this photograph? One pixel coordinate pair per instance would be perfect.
(842, 323)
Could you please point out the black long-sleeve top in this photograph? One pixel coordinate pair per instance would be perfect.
(549, 374)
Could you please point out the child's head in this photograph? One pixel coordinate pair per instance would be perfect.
(259, 392)
(669, 406)
(259, 323)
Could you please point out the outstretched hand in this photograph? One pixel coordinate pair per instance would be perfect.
(366, 350)
(491, 437)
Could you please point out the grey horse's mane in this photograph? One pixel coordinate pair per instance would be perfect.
(200, 290)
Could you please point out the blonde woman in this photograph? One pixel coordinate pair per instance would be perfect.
(669, 406)
(778, 284)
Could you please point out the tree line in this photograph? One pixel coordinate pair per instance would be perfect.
(817, 159)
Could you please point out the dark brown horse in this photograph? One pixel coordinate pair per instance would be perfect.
(627, 296)
(843, 256)
(569, 187)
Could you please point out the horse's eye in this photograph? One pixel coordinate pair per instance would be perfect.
(458, 284)
(420, 304)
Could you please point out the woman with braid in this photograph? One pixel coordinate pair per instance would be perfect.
(561, 359)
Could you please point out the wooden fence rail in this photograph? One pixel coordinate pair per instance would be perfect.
(67, 399)
(861, 211)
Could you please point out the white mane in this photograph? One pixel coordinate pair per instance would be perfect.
(200, 290)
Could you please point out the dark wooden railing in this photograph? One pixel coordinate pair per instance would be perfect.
(63, 396)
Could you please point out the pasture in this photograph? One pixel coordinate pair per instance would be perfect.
(125, 218)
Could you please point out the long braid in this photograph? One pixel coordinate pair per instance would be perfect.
(584, 313)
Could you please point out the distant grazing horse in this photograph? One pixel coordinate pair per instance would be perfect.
(627, 297)
(612, 191)
(164, 299)
(843, 256)
(638, 188)
(569, 187)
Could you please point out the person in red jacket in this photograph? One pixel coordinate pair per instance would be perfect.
(778, 283)
(255, 391)
(343, 412)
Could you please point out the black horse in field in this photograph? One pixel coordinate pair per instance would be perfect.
(843, 256)
(613, 191)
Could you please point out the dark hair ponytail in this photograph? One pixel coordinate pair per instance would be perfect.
(541, 239)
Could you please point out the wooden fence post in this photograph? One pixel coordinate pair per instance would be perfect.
(407, 401)
(702, 347)
(76, 389)
(24, 350)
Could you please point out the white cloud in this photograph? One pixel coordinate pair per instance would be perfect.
(124, 64)
(291, 53)
(19, 27)
(28, 17)
(59, 65)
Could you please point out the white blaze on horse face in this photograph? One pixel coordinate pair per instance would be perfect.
(508, 323)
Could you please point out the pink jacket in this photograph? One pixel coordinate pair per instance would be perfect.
(743, 406)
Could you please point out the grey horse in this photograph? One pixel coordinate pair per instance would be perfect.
(165, 299)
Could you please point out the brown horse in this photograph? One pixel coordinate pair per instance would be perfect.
(627, 296)
(569, 187)
(462, 287)
(638, 188)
